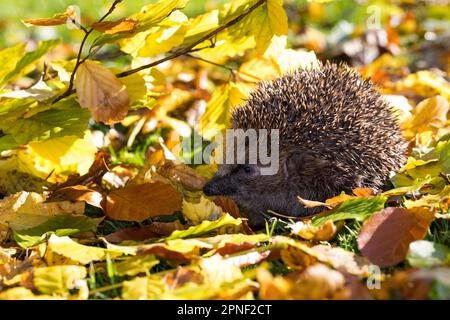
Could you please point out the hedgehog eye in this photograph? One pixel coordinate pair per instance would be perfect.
(247, 169)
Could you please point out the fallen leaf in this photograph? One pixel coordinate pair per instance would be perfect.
(99, 90)
(141, 233)
(304, 229)
(182, 174)
(203, 210)
(385, 237)
(78, 193)
(142, 201)
(57, 279)
(25, 210)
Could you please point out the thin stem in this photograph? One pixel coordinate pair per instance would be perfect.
(194, 44)
(70, 90)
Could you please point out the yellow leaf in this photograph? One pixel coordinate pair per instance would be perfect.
(77, 253)
(57, 279)
(429, 115)
(25, 210)
(101, 92)
(169, 34)
(63, 155)
(426, 83)
(203, 210)
(217, 114)
(271, 21)
(21, 293)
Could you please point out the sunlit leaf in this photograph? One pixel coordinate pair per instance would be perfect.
(26, 210)
(141, 201)
(358, 209)
(112, 27)
(57, 279)
(65, 118)
(134, 265)
(101, 92)
(385, 236)
(204, 227)
(217, 115)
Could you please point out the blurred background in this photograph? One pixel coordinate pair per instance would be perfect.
(357, 32)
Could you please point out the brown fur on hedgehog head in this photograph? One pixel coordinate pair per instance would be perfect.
(336, 133)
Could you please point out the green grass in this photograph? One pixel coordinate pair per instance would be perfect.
(439, 232)
(347, 237)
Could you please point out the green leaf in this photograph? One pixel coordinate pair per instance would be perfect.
(9, 58)
(29, 59)
(65, 118)
(134, 265)
(204, 227)
(63, 225)
(57, 279)
(358, 209)
(426, 254)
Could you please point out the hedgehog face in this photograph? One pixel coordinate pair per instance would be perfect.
(233, 180)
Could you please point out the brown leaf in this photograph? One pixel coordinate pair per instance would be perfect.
(182, 174)
(99, 90)
(141, 233)
(78, 193)
(126, 25)
(228, 205)
(385, 236)
(98, 168)
(142, 201)
(57, 19)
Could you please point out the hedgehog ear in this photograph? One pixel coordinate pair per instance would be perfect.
(305, 163)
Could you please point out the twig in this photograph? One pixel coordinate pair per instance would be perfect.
(188, 49)
(176, 54)
(87, 32)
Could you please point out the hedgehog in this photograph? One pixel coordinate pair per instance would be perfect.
(336, 133)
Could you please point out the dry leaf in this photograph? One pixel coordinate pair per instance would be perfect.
(182, 174)
(385, 236)
(78, 193)
(112, 27)
(99, 90)
(142, 201)
(304, 229)
(141, 233)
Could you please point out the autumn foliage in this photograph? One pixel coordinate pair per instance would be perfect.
(98, 202)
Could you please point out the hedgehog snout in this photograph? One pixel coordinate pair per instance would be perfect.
(217, 187)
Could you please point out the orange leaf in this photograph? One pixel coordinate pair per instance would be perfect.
(112, 27)
(142, 201)
(57, 19)
(101, 92)
(385, 236)
(141, 233)
(78, 193)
